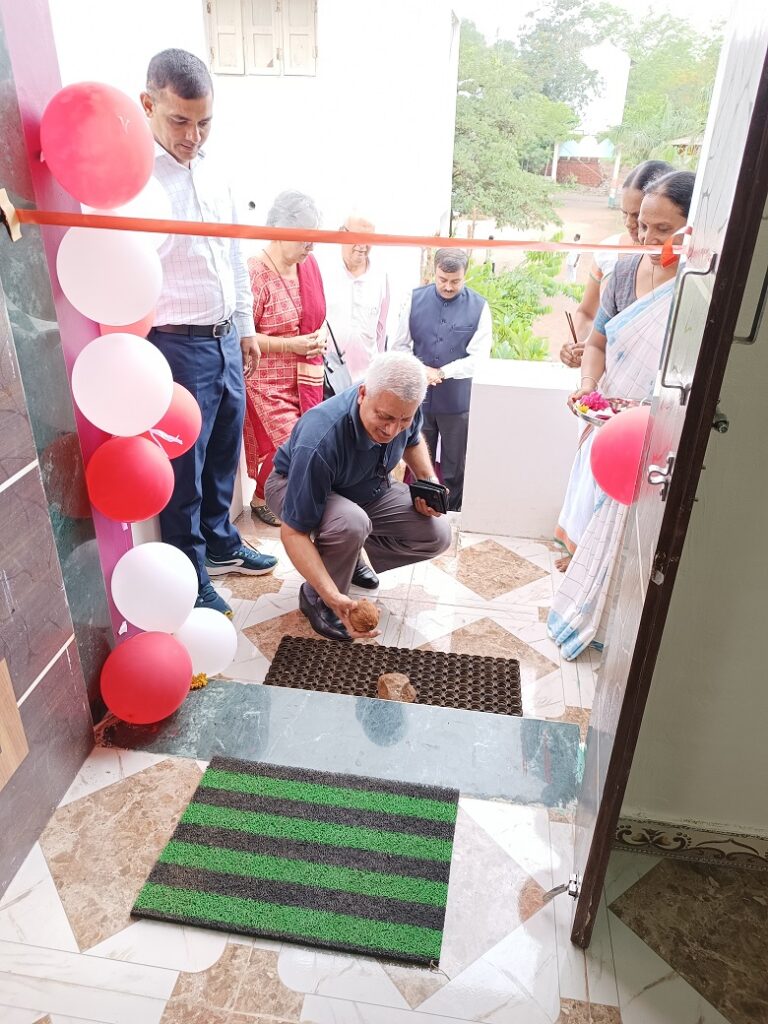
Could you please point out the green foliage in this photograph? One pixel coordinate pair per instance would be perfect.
(669, 91)
(515, 298)
(503, 126)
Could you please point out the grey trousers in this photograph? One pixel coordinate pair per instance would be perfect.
(453, 431)
(390, 529)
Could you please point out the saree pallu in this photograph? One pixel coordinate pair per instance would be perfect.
(579, 613)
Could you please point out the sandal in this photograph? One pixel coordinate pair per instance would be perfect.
(265, 514)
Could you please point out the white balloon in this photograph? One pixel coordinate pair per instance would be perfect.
(122, 384)
(112, 277)
(154, 586)
(210, 639)
(153, 202)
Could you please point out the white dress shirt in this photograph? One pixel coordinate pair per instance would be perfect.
(205, 280)
(478, 348)
(357, 310)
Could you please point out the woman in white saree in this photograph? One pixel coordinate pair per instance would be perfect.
(622, 358)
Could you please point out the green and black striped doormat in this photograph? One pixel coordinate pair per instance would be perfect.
(336, 861)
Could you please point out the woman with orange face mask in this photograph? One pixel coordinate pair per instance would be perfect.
(621, 360)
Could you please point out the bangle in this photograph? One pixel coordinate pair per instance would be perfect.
(282, 346)
(587, 377)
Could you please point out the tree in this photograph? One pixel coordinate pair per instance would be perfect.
(503, 124)
(669, 91)
(552, 45)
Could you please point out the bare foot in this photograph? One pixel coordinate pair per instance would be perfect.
(561, 564)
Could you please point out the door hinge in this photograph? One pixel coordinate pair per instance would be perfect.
(572, 887)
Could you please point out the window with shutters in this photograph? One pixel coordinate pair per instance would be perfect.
(262, 37)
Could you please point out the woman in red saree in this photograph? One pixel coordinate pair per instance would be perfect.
(289, 312)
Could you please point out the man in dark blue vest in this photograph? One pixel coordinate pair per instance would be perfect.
(448, 327)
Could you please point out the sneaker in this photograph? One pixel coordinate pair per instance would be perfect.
(208, 598)
(245, 560)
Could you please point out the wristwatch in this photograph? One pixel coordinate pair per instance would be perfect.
(441, 373)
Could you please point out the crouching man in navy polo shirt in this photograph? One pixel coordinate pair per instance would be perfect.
(331, 488)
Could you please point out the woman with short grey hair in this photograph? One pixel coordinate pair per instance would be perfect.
(289, 312)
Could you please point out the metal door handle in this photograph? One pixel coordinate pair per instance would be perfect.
(684, 275)
(660, 476)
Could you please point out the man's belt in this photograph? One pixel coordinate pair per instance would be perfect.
(201, 330)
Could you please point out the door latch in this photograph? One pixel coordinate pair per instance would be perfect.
(660, 476)
(572, 887)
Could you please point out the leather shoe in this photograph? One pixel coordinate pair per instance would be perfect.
(364, 576)
(321, 618)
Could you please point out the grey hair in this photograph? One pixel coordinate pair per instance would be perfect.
(451, 260)
(293, 209)
(399, 372)
(181, 72)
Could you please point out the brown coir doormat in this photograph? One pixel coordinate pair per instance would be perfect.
(446, 680)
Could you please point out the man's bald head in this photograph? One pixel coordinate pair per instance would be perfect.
(355, 255)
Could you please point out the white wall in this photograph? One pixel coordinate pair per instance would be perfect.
(372, 132)
(522, 440)
(703, 752)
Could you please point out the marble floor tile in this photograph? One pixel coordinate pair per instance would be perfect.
(324, 1010)
(601, 961)
(427, 622)
(710, 924)
(650, 991)
(522, 832)
(514, 982)
(415, 984)
(484, 637)
(54, 981)
(101, 847)
(624, 869)
(14, 1015)
(574, 1011)
(490, 569)
(341, 976)
(243, 983)
(524, 760)
(31, 911)
(477, 916)
(266, 634)
(106, 766)
(572, 967)
(161, 944)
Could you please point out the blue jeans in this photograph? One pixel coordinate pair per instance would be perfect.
(197, 516)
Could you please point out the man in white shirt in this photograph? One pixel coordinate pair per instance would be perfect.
(449, 328)
(357, 302)
(203, 325)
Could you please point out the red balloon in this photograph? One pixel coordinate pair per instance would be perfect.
(146, 678)
(141, 328)
(97, 144)
(178, 430)
(617, 451)
(129, 479)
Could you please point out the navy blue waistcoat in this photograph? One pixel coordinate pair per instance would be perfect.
(441, 332)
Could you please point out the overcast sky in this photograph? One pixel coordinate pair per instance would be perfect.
(505, 16)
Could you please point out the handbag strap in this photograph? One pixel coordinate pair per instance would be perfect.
(339, 353)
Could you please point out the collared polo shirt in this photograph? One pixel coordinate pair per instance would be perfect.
(328, 451)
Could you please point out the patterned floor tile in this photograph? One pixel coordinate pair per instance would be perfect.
(101, 848)
(490, 569)
(415, 984)
(242, 986)
(476, 918)
(487, 638)
(573, 1011)
(710, 924)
